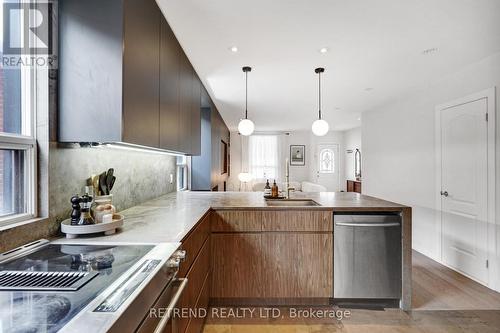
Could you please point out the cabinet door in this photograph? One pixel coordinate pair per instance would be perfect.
(297, 265)
(185, 102)
(141, 64)
(236, 265)
(196, 116)
(169, 88)
(196, 276)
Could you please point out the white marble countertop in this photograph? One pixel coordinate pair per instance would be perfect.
(171, 217)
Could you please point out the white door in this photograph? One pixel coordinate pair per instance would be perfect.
(327, 166)
(464, 191)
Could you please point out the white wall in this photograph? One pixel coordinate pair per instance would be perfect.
(297, 173)
(352, 141)
(399, 146)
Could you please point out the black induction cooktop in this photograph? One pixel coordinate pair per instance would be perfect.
(27, 310)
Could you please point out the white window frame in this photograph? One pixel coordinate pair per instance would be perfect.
(26, 142)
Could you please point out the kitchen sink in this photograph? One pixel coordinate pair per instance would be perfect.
(291, 202)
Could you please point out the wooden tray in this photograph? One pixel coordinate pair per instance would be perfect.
(109, 228)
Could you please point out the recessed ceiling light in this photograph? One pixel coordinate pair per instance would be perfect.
(429, 51)
(323, 50)
(233, 49)
(359, 118)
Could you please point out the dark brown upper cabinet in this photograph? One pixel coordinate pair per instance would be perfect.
(141, 73)
(124, 77)
(196, 116)
(170, 52)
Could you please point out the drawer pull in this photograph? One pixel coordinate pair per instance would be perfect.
(173, 303)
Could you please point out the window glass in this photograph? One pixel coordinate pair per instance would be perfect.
(12, 170)
(326, 161)
(10, 77)
(263, 156)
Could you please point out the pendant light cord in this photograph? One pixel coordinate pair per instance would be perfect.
(319, 93)
(246, 95)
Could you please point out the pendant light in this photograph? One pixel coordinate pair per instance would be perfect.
(319, 127)
(246, 126)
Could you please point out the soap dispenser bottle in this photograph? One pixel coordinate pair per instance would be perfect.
(274, 190)
(267, 189)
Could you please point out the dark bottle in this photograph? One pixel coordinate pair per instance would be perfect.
(267, 189)
(274, 190)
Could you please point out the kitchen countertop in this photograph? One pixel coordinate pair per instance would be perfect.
(171, 217)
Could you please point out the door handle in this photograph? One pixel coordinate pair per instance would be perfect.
(444, 193)
(173, 303)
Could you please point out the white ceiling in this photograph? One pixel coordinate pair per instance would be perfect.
(372, 44)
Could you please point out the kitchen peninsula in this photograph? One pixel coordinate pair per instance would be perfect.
(243, 251)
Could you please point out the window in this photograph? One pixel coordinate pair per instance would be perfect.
(326, 161)
(17, 137)
(263, 156)
(182, 173)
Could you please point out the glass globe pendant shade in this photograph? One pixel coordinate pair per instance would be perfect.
(320, 127)
(246, 127)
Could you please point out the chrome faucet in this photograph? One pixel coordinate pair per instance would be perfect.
(287, 180)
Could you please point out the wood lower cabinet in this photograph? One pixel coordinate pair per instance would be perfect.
(297, 265)
(196, 268)
(239, 257)
(196, 279)
(237, 265)
(271, 255)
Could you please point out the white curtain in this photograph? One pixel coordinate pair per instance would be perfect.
(264, 157)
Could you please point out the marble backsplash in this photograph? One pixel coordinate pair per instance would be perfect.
(140, 176)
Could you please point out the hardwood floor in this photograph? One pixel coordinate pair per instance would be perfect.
(369, 321)
(443, 301)
(436, 287)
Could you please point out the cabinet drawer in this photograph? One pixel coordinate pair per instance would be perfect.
(237, 221)
(297, 221)
(193, 244)
(196, 323)
(196, 278)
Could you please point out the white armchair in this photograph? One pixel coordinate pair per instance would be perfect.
(312, 187)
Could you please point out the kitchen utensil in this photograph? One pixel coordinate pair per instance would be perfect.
(102, 183)
(95, 183)
(112, 183)
(109, 178)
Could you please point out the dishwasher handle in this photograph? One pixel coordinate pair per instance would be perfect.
(382, 225)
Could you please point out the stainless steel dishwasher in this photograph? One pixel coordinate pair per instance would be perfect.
(367, 256)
